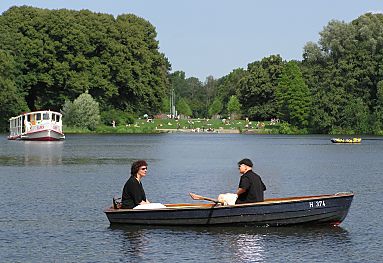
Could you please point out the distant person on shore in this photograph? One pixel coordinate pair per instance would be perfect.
(133, 193)
(250, 187)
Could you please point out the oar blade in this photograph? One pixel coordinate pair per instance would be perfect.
(196, 197)
(200, 197)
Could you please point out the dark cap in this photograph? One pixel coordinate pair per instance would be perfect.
(247, 162)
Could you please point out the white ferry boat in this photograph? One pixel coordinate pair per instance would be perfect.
(36, 126)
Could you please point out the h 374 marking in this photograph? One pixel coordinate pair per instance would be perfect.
(319, 203)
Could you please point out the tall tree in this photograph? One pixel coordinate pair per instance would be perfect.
(11, 98)
(210, 87)
(216, 107)
(293, 96)
(228, 85)
(343, 68)
(256, 90)
(234, 106)
(184, 108)
(63, 53)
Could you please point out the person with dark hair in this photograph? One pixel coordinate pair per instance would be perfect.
(133, 193)
(251, 187)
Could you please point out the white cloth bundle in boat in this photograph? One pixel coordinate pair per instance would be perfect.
(228, 198)
(150, 206)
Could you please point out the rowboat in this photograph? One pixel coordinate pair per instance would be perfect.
(348, 140)
(329, 209)
(36, 126)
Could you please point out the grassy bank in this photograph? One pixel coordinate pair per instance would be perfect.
(191, 125)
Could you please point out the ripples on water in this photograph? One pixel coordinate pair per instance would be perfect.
(52, 196)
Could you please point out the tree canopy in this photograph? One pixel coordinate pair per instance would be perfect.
(48, 57)
(60, 54)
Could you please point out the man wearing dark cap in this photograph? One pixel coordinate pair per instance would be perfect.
(251, 187)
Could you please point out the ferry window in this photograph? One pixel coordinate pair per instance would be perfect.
(38, 116)
(57, 118)
(45, 116)
(28, 117)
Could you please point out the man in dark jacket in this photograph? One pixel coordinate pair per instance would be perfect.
(250, 187)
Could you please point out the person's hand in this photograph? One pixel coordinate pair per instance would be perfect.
(144, 202)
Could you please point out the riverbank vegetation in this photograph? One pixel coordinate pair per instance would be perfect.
(147, 125)
(50, 58)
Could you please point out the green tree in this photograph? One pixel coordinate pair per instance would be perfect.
(63, 53)
(343, 71)
(191, 90)
(233, 106)
(210, 91)
(228, 85)
(293, 97)
(377, 116)
(183, 107)
(216, 107)
(356, 116)
(12, 100)
(256, 90)
(83, 112)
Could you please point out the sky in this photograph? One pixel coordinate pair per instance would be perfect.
(213, 37)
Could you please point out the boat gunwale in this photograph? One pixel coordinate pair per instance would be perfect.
(203, 206)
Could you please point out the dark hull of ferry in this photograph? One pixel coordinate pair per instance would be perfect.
(310, 210)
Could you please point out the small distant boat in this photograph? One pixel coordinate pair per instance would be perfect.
(348, 140)
(36, 126)
(303, 210)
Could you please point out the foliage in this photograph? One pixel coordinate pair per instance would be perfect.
(343, 71)
(192, 91)
(83, 112)
(286, 128)
(256, 90)
(377, 116)
(183, 107)
(63, 53)
(227, 86)
(355, 116)
(48, 57)
(293, 97)
(11, 98)
(216, 107)
(120, 117)
(210, 91)
(233, 106)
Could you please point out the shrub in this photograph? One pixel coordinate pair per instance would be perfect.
(83, 112)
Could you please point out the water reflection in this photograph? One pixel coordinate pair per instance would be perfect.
(250, 248)
(133, 244)
(43, 153)
(286, 231)
(229, 244)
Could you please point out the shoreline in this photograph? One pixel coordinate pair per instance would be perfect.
(227, 131)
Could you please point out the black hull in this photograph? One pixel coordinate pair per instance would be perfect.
(313, 210)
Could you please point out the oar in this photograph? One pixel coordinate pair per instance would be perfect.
(200, 197)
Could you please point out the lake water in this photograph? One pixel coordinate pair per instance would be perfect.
(53, 195)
